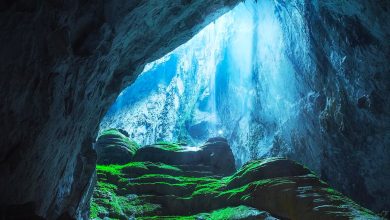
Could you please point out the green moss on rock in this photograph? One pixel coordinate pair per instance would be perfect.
(147, 190)
(114, 147)
(168, 146)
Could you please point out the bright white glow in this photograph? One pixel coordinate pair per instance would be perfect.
(220, 132)
(192, 148)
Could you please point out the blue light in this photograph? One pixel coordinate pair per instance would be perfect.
(233, 74)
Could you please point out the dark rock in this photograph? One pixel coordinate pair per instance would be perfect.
(363, 102)
(65, 216)
(63, 64)
(20, 212)
(385, 214)
(114, 147)
(215, 156)
(124, 132)
(216, 139)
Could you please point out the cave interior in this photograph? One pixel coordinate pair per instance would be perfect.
(223, 109)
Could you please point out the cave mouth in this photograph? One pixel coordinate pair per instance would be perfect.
(205, 131)
(232, 79)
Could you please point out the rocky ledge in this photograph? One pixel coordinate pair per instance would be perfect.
(172, 181)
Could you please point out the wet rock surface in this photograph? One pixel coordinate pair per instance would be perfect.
(273, 188)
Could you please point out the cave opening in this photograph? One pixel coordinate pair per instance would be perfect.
(216, 117)
(232, 79)
(279, 109)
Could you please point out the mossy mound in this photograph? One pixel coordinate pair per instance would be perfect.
(262, 189)
(169, 146)
(113, 146)
(213, 158)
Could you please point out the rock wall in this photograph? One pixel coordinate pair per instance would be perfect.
(342, 73)
(62, 65)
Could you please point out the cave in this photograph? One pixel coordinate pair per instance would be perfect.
(285, 103)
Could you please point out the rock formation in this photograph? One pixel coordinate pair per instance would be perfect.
(114, 147)
(215, 156)
(273, 188)
(301, 79)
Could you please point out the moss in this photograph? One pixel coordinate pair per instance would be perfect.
(111, 194)
(251, 167)
(96, 210)
(170, 178)
(168, 218)
(338, 198)
(119, 138)
(180, 186)
(166, 166)
(114, 169)
(169, 146)
(239, 212)
(111, 169)
(107, 202)
(209, 188)
(161, 184)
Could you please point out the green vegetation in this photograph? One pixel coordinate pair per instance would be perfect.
(107, 202)
(116, 137)
(169, 146)
(238, 212)
(147, 190)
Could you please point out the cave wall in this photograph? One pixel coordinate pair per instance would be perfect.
(343, 76)
(62, 65)
(64, 62)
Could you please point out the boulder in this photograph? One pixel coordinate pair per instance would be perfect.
(265, 169)
(113, 146)
(215, 157)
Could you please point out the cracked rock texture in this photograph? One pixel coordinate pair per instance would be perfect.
(62, 65)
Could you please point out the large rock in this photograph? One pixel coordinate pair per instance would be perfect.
(113, 146)
(214, 157)
(63, 64)
(262, 189)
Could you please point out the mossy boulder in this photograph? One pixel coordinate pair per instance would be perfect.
(213, 158)
(113, 146)
(265, 169)
(262, 189)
